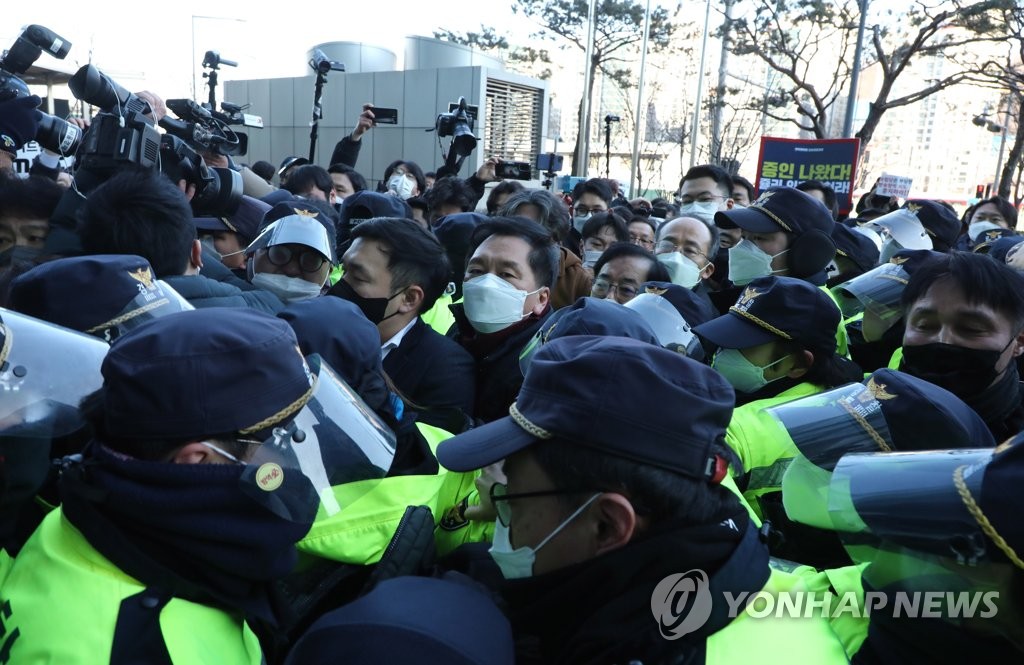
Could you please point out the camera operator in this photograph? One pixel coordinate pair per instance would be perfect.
(63, 238)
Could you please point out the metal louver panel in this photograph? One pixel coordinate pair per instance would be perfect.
(512, 130)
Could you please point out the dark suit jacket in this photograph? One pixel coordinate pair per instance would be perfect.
(434, 372)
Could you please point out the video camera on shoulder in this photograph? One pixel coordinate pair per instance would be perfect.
(208, 129)
(120, 134)
(199, 127)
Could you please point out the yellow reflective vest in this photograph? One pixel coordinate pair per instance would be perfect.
(834, 587)
(372, 509)
(772, 638)
(842, 340)
(61, 599)
(762, 444)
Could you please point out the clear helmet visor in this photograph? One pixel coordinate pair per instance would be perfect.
(299, 229)
(904, 227)
(334, 439)
(156, 299)
(45, 373)
(912, 499)
(669, 326)
(877, 291)
(823, 428)
(907, 515)
(870, 233)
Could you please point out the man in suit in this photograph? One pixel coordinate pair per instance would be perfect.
(394, 271)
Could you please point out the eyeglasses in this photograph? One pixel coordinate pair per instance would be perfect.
(643, 242)
(500, 499)
(666, 246)
(309, 260)
(584, 210)
(602, 286)
(703, 198)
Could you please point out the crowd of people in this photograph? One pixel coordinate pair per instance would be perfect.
(415, 417)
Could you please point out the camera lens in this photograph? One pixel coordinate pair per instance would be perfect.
(57, 135)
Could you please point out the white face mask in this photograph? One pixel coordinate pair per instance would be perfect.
(492, 304)
(401, 185)
(975, 229)
(518, 563)
(288, 289)
(743, 375)
(579, 220)
(681, 269)
(747, 262)
(590, 257)
(702, 211)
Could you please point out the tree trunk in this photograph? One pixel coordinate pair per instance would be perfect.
(1012, 159)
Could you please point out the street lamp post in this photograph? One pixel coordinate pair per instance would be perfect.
(584, 130)
(1002, 144)
(695, 128)
(634, 170)
(851, 101)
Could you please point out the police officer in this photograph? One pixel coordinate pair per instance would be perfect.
(919, 224)
(656, 303)
(588, 316)
(601, 505)
(776, 344)
(375, 511)
(889, 411)
(786, 232)
(856, 254)
(214, 440)
(105, 295)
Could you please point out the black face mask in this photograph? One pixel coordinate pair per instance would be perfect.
(962, 371)
(19, 254)
(372, 308)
